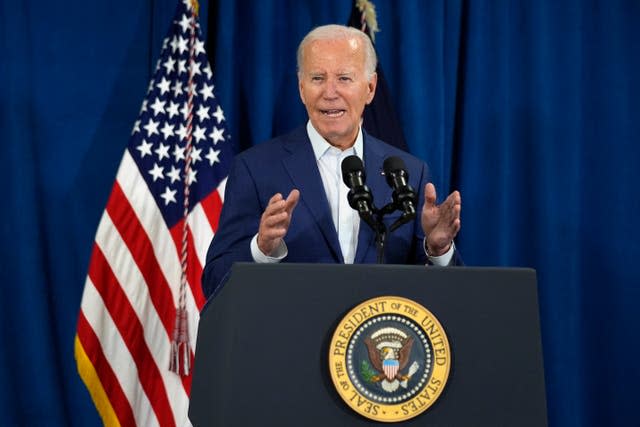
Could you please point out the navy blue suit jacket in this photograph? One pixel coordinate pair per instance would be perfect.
(286, 163)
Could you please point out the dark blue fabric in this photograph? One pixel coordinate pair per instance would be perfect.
(530, 109)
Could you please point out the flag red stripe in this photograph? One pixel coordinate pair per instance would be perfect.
(194, 271)
(108, 379)
(212, 205)
(186, 380)
(138, 243)
(132, 333)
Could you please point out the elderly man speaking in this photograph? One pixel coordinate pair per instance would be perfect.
(285, 199)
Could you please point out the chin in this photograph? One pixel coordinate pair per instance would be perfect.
(335, 131)
(332, 136)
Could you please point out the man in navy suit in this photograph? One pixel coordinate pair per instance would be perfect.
(314, 222)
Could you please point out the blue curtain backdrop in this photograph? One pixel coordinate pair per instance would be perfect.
(530, 109)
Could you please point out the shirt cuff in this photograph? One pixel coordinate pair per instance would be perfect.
(442, 260)
(277, 256)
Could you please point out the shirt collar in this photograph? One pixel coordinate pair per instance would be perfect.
(320, 145)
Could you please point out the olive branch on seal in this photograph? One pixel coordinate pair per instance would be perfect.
(367, 372)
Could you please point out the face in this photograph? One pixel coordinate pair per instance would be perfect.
(334, 88)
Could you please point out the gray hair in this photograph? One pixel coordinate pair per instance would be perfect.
(340, 32)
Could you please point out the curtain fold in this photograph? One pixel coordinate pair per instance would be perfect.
(530, 109)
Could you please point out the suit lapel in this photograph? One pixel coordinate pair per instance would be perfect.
(374, 155)
(303, 170)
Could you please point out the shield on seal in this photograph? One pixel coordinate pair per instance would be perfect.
(390, 367)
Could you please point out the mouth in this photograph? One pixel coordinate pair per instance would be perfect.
(335, 113)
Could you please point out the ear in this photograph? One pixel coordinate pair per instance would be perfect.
(300, 89)
(371, 86)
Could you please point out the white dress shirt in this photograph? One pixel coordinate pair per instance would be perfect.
(345, 218)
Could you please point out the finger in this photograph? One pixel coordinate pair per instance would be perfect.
(457, 197)
(456, 201)
(275, 219)
(429, 195)
(456, 205)
(271, 234)
(275, 198)
(454, 228)
(453, 198)
(455, 212)
(451, 221)
(451, 215)
(450, 203)
(275, 206)
(292, 200)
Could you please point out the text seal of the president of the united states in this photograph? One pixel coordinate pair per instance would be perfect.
(389, 359)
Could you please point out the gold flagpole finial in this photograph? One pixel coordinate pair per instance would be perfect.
(368, 9)
(196, 6)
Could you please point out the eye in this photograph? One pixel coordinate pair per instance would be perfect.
(316, 78)
(345, 79)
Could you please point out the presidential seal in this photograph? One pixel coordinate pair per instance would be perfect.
(389, 359)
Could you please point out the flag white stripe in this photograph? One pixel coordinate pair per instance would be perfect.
(201, 231)
(221, 189)
(116, 352)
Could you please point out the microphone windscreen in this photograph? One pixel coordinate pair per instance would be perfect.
(351, 164)
(393, 164)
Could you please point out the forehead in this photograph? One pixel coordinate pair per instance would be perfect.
(333, 54)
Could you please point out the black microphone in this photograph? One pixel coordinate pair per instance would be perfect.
(404, 196)
(359, 197)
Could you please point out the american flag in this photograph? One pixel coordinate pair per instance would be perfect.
(151, 242)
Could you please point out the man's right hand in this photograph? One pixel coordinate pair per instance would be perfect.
(275, 221)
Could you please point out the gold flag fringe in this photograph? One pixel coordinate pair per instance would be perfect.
(369, 11)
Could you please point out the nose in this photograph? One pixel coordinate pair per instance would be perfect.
(330, 89)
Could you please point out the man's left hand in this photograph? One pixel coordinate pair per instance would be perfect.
(440, 223)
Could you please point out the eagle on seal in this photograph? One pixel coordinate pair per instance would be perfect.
(389, 361)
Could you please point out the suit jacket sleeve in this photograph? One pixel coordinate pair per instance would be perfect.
(239, 222)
